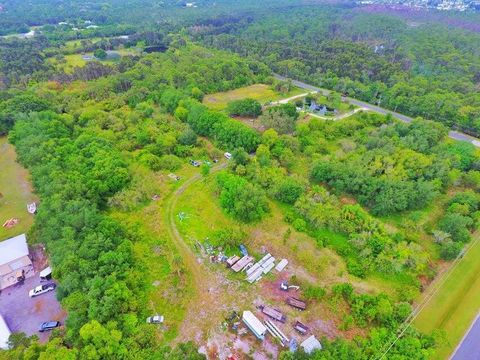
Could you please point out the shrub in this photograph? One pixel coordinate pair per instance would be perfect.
(244, 107)
(169, 162)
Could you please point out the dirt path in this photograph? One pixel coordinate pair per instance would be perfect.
(207, 285)
(285, 101)
(338, 117)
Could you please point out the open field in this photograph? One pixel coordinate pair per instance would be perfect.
(77, 60)
(260, 92)
(16, 190)
(454, 306)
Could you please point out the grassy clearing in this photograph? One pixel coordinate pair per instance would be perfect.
(16, 190)
(72, 45)
(455, 305)
(72, 61)
(314, 264)
(260, 92)
(170, 288)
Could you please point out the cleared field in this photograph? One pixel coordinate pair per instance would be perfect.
(79, 60)
(15, 190)
(454, 306)
(260, 92)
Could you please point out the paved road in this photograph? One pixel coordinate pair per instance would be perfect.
(469, 348)
(452, 134)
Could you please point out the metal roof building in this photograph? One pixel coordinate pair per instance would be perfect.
(15, 264)
(254, 324)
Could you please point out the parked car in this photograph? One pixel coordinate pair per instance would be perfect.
(49, 325)
(195, 163)
(227, 155)
(156, 319)
(42, 289)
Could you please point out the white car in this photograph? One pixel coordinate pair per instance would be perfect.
(228, 155)
(156, 319)
(42, 289)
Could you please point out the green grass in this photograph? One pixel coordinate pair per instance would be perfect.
(455, 305)
(16, 190)
(260, 92)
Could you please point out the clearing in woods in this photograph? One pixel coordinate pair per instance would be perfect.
(15, 192)
(260, 92)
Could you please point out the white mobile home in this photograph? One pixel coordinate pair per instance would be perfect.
(254, 324)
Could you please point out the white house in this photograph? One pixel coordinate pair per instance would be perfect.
(15, 263)
(4, 334)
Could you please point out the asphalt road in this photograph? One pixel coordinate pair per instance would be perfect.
(469, 348)
(452, 134)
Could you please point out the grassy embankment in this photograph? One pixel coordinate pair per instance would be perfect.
(16, 191)
(456, 303)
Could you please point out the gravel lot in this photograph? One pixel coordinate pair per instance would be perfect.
(24, 314)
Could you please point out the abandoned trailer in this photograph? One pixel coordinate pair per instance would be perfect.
(255, 325)
(296, 303)
(273, 313)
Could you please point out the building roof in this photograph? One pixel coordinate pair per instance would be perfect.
(253, 323)
(311, 344)
(4, 334)
(13, 249)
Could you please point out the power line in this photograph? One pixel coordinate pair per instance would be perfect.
(413, 315)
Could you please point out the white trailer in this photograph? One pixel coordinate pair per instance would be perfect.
(255, 325)
(281, 265)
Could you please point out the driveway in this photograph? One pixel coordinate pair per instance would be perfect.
(24, 314)
(407, 119)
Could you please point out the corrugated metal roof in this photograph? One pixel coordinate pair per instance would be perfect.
(13, 249)
(254, 324)
(4, 334)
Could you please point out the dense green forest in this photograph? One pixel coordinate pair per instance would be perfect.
(429, 70)
(391, 200)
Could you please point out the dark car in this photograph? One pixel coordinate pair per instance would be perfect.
(49, 325)
(195, 163)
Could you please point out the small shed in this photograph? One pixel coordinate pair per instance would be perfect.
(240, 264)
(311, 344)
(254, 324)
(281, 265)
(232, 260)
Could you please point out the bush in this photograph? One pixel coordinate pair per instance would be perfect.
(314, 292)
(241, 199)
(244, 107)
(289, 190)
(169, 162)
(150, 160)
(188, 137)
(449, 250)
